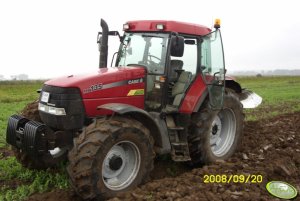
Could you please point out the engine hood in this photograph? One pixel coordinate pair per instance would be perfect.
(91, 84)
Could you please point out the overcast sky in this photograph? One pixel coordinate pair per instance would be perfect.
(46, 39)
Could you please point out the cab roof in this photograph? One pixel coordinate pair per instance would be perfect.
(168, 26)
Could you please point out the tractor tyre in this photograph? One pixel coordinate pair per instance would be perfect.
(111, 155)
(41, 161)
(215, 135)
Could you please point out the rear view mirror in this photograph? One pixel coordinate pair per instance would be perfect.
(177, 46)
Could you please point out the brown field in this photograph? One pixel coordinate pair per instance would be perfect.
(270, 148)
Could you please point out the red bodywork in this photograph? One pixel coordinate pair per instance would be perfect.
(169, 26)
(193, 95)
(117, 81)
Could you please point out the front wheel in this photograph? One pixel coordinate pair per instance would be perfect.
(110, 156)
(215, 135)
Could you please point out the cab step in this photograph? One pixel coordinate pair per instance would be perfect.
(178, 140)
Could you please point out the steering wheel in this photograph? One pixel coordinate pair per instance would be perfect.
(152, 56)
(152, 65)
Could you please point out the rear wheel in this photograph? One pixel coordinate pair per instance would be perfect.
(110, 156)
(41, 161)
(215, 135)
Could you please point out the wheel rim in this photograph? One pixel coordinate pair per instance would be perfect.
(222, 133)
(121, 165)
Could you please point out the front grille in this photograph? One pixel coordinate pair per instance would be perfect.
(71, 101)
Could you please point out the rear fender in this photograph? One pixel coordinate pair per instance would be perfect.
(248, 98)
(160, 137)
(194, 96)
(198, 92)
(231, 84)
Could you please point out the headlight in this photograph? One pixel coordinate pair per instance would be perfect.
(52, 110)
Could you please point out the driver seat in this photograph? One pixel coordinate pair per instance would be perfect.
(178, 91)
(175, 65)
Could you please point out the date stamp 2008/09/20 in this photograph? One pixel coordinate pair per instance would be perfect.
(234, 178)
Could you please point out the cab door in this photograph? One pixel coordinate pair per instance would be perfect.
(213, 67)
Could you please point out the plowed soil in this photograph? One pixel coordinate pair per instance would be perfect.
(31, 112)
(270, 148)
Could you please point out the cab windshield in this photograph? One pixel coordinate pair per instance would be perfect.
(144, 49)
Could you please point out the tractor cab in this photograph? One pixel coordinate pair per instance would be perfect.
(174, 55)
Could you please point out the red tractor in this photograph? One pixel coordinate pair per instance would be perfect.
(166, 94)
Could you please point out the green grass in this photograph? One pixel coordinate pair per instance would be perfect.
(280, 95)
(27, 181)
(19, 91)
(273, 89)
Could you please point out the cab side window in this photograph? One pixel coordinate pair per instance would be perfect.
(189, 57)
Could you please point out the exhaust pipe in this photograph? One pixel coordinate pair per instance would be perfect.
(103, 45)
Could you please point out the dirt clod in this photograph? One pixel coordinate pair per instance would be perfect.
(31, 112)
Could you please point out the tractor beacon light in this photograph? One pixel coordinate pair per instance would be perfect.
(217, 24)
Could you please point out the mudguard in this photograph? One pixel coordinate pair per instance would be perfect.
(160, 136)
(122, 108)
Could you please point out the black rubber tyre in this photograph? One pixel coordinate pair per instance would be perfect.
(203, 129)
(42, 161)
(93, 148)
